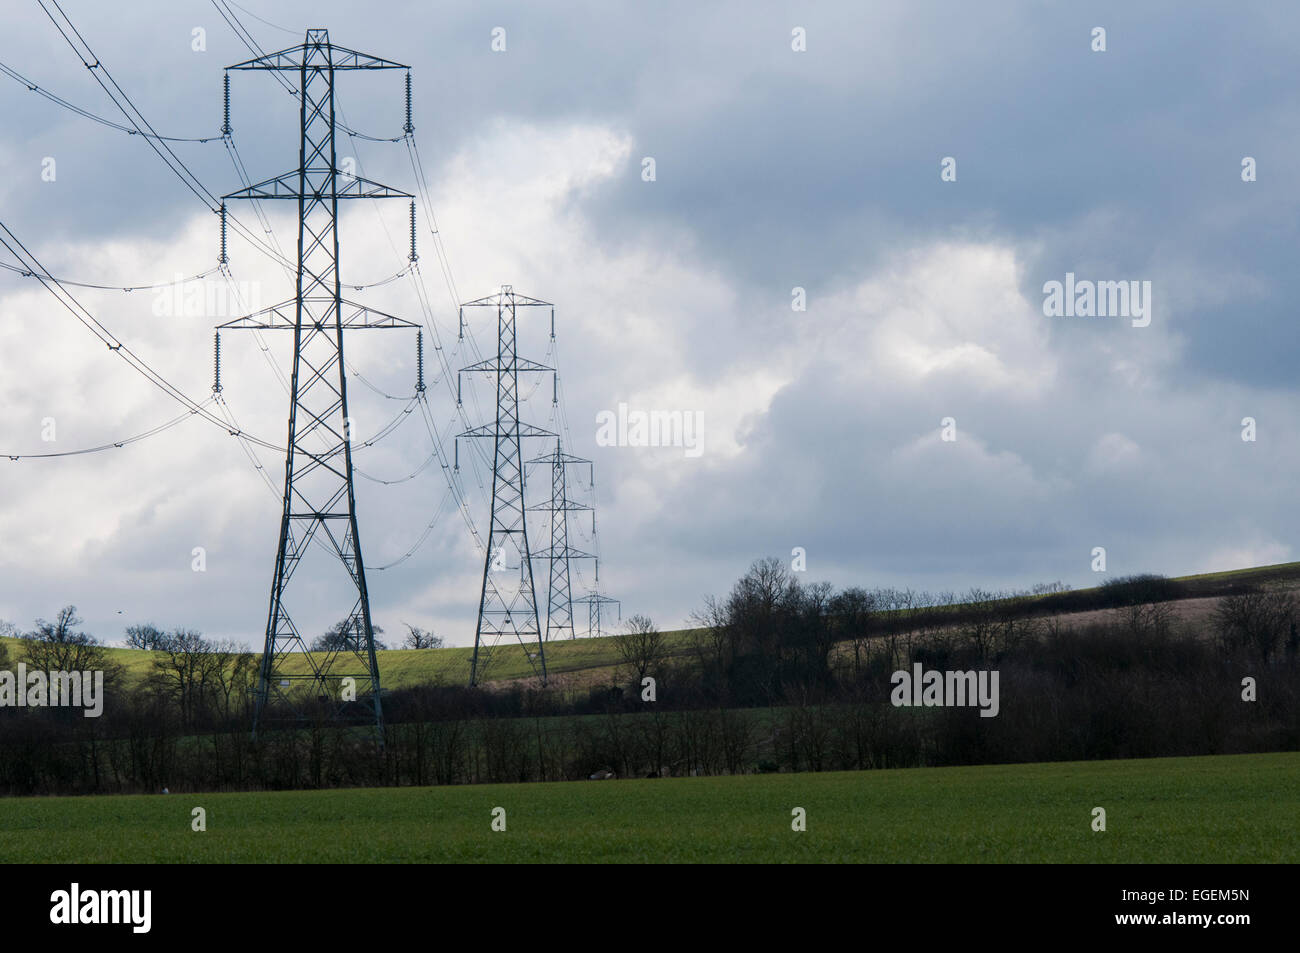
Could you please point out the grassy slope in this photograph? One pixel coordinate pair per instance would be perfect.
(406, 667)
(1238, 808)
(402, 668)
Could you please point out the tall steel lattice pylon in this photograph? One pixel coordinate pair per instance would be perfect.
(559, 602)
(319, 503)
(507, 605)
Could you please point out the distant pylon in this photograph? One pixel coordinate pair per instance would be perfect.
(318, 491)
(506, 607)
(595, 604)
(559, 602)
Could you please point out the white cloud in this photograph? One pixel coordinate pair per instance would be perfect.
(944, 313)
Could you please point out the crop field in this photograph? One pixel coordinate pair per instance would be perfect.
(1224, 809)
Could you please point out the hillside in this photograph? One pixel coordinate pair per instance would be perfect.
(591, 661)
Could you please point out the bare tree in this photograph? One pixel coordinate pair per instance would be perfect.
(343, 635)
(417, 638)
(1147, 618)
(232, 673)
(853, 611)
(185, 668)
(1258, 620)
(710, 643)
(144, 636)
(59, 646)
(817, 634)
(641, 646)
(988, 622)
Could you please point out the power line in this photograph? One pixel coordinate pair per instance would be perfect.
(275, 26)
(247, 39)
(422, 296)
(133, 115)
(149, 286)
(92, 324)
(437, 515)
(114, 445)
(123, 102)
(410, 476)
(86, 113)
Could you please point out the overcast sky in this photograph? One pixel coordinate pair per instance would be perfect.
(775, 169)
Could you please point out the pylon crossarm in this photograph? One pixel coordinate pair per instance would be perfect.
(507, 298)
(317, 53)
(283, 317)
(324, 187)
(567, 506)
(551, 458)
(525, 430)
(493, 365)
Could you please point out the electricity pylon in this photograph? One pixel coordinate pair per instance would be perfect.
(595, 604)
(319, 502)
(559, 602)
(506, 606)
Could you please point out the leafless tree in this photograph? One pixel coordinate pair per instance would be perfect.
(417, 638)
(184, 667)
(232, 673)
(817, 633)
(343, 635)
(641, 647)
(854, 612)
(709, 641)
(1257, 620)
(145, 636)
(60, 646)
(991, 623)
(1147, 618)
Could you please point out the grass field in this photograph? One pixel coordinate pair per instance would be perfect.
(1227, 809)
(403, 668)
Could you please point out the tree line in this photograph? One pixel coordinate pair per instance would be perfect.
(778, 675)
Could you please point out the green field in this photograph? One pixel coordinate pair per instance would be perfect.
(1226, 809)
(404, 668)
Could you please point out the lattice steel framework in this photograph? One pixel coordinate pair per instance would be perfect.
(506, 607)
(559, 602)
(595, 606)
(319, 502)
